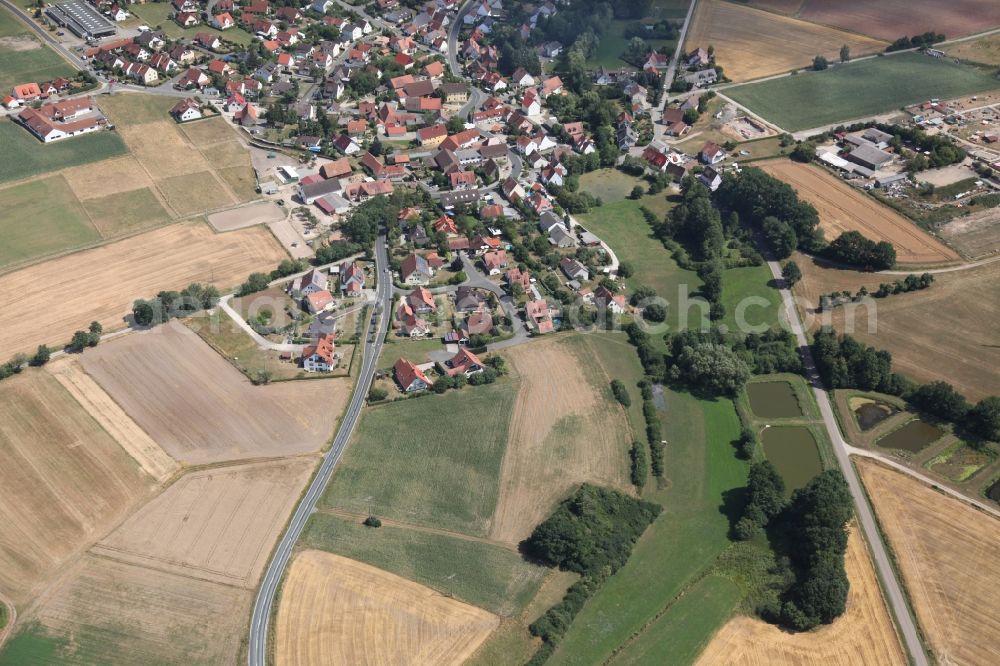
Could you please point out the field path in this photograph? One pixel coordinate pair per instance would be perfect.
(389, 522)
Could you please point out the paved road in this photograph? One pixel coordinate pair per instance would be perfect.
(476, 96)
(893, 590)
(480, 281)
(257, 649)
(668, 77)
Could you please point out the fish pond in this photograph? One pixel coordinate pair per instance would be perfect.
(870, 413)
(773, 400)
(913, 437)
(793, 452)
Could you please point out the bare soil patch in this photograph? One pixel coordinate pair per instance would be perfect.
(566, 429)
(65, 481)
(789, 7)
(216, 524)
(335, 610)
(147, 453)
(106, 280)
(93, 181)
(161, 150)
(890, 19)
(195, 193)
(751, 43)
(864, 634)
(946, 552)
(109, 612)
(201, 409)
(976, 235)
(842, 208)
(947, 332)
(247, 216)
(19, 43)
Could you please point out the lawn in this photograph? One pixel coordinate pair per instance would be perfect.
(126, 212)
(432, 461)
(859, 89)
(479, 573)
(612, 186)
(242, 182)
(135, 109)
(623, 227)
(39, 218)
(414, 351)
(24, 155)
(751, 304)
(233, 343)
(157, 15)
(704, 477)
(25, 59)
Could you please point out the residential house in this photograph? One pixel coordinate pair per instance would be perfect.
(320, 357)
(605, 298)
(409, 377)
(421, 300)
(462, 363)
(574, 270)
(318, 301)
(346, 145)
(414, 270)
(495, 262)
(223, 21)
(711, 178)
(517, 276)
(312, 282)
(185, 110)
(352, 278)
(711, 153)
(539, 317)
(468, 299)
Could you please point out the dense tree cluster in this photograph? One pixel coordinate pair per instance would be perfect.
(915, 42)
(620, 392)
(852, 248)
(363, 224)
(170, 304)
(765, 499)
(640, 464)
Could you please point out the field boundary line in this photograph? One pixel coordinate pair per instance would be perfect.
(389, 522)
(102, 556)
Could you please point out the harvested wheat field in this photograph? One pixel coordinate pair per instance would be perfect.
(195, 192)
(92, 181)
(217, 524)
(201, 409)
(864, 634)
(842, 208)
(566, 429)
(161, 150)
(107, 612)
(890, 19)
(208, 131)
(946, 551)
(335, 610)
(947, 332)
(147, 453)
(106, 280)
(751, 43)
(65, 481)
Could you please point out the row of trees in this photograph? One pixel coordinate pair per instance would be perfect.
(885, 289)
(169, 304)
(915, 42)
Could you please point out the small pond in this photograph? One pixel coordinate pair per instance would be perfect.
(792, 450)
(773, 400)
(993, 492)
(870, 413)
(912, 437)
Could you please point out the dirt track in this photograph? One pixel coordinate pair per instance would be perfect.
(201, 409)
(843, 209)
(946, 552)
(865, 633)
(563, 431)
(751, 43)
(45, 303)
(335, 610)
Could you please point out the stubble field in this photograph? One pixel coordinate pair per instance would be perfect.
(201, 409)
(946, 332)
(334, 610)
(946, 551)
(565, 429)
(864, 634)
(842, 208)
(750, 43)
(890, 19)
(217, 524)
(41, 307)
(65, 481)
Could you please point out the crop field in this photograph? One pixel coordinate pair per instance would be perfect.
(23, 58)
(859, 89)
(126, 212)
(976, 235)
(701, 473)
(218, 524)
(106, 280)
(889, 19)
(469, 569)
(195, 192)
(128, 109)
(57, 220)
(864, 634)
(162, 150)
(201, 409)
(566, 429)
(843, 208)
(108, 612)
(945, 551)
(750, 43)
(334, 610)
(25, 156)
(919, 328)
(65, 481)
(431, 461)
(147, 453)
